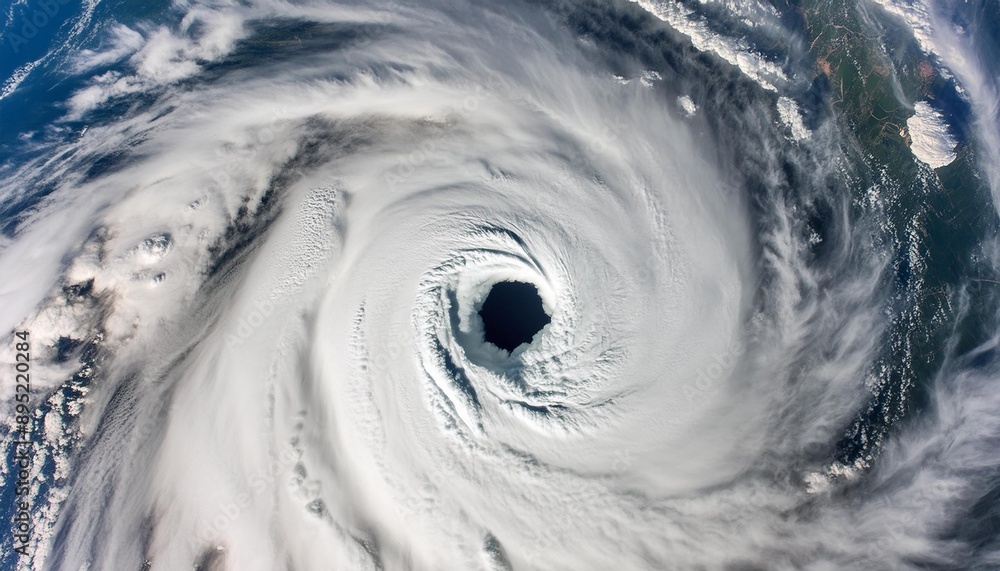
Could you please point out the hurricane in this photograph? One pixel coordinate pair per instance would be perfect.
(265, 265)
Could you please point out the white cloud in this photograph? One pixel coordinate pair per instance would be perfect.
(159, 57)
(124, 42)
(932, 142)
(791, 116)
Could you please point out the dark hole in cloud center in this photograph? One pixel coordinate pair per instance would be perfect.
(512, 314)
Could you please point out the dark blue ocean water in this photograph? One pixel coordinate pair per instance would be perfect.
(39, 41)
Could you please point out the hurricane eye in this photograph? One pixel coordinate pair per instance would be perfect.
(512, 315)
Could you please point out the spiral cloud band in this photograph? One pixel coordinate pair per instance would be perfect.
(252, 248)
